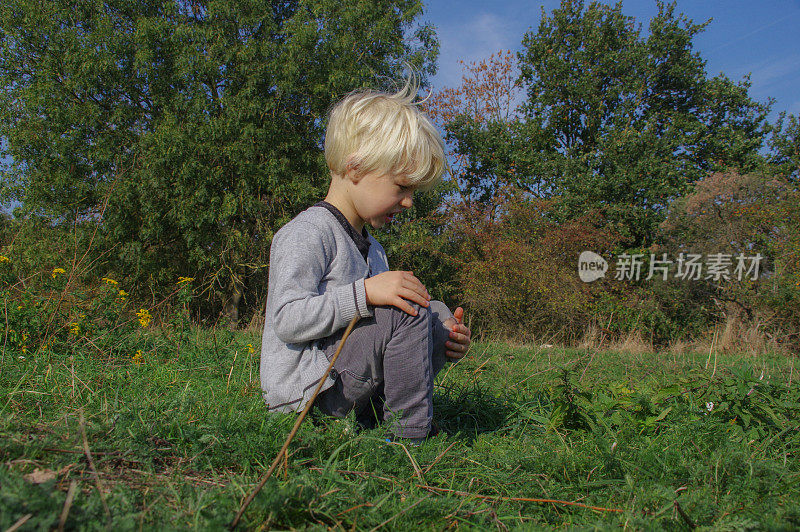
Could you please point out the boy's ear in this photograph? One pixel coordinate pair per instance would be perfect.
(351, 170)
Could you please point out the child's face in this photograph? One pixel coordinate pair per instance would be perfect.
(377, 197)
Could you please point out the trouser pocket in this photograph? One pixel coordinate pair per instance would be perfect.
(349, 392)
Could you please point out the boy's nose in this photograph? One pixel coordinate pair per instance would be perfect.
(407, 202)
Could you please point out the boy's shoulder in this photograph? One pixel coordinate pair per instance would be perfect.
(317, 223)
(312, 220)
(316, 226)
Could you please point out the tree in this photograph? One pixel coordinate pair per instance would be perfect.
(785, 145)
(614, 121)
(200, 121)
(632, 121)
(742, 215)
(478, 118)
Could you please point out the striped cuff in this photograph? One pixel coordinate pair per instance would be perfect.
(352, 301)
(360, 297)
(346, 303)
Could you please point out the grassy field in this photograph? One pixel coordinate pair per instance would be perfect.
(178, 436)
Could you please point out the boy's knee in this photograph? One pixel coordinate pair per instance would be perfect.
(439, 310)
(398, 317)
(422, 313)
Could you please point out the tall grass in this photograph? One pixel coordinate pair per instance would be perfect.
(179, 439)
(160, 425)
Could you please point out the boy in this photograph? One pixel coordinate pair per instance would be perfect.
(325, 268)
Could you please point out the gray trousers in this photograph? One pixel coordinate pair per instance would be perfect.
(394, 357)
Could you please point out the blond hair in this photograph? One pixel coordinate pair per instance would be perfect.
(377, 131)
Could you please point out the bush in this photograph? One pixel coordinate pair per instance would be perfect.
(58, 313)
(734, 214)
(517, 271)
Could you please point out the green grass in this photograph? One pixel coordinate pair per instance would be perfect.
(179, 440)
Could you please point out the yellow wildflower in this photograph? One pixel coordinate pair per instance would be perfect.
(57, 271)
(75, 329)
(137, 357)
(182, 280)
(250, 349)
(4, 259)
(122, 295)
(144, 317)
(108, 281)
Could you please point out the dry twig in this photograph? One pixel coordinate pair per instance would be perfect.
(21, 521)
(282, 453)
(417, 470)
(519, 499)
(88, 454)
(436, 460)
(685, 516)
(62, 519)
(398, 514)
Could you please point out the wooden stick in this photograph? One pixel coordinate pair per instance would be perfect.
(685, 516)
(282, 452)
(62, 520)
(417, 470)
(519, 499)
(228, 385)
(398, 514)
(21, 521)
(88, 454)
(710, 349)
(436, 460)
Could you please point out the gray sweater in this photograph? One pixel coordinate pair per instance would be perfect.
(316, 286)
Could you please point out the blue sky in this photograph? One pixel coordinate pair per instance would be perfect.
(759, 38)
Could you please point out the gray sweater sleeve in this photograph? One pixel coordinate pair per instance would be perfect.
(300, 311)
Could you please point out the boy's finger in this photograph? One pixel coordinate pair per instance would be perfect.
(459, 315)
(419, 284)
(455, 346)
(417, 287)
(458, 337)
(463, 329)
(421, 291)
(405, 307)
(454, 355)
(416, 297)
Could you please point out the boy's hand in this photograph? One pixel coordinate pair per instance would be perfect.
(460, 336)
(394, 288)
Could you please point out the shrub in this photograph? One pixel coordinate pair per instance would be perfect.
(517, 271)
(57, 313)
(734, 214)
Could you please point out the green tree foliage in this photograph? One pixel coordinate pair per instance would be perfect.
(516, 272)
(616, 121)
(191, 130)
(785, 145)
